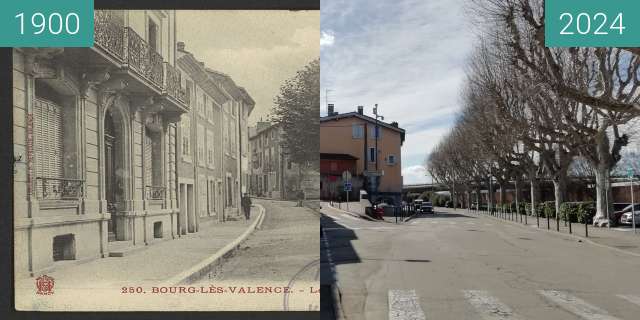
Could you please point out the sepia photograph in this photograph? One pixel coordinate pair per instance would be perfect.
(173, 166)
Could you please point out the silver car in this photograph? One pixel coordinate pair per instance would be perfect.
(626, 217)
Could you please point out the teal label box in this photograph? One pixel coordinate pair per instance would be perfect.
(46, 23)
(592, 23)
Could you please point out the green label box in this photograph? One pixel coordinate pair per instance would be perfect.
(592, 23)
(46, 23)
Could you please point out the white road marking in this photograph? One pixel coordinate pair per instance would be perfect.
(405, 305)
(631, 298)
(576, 305)
(489, 307)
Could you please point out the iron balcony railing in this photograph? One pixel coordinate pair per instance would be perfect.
(143, 58)
(173, 84)
(127, 47)
(156, 192)
(59, 188)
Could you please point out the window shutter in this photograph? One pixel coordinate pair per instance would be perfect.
(148, 160)
(48, 145)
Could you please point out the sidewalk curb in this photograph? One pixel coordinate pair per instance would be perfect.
(337, 302)
(577, 237)
(208, 263)
(357, 215)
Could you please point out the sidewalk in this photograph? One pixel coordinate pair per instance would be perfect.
(619, 239)
(154, 265)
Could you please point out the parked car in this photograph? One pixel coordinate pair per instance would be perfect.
(426, 207)
(625, 214)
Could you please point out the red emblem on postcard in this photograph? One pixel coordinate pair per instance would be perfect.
(44, 284)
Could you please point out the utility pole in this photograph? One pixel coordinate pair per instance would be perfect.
(376, 137)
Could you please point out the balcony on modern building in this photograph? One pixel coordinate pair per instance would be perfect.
(145, 63)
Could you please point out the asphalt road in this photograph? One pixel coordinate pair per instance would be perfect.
(456, 266)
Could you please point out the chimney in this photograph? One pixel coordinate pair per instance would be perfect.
(181, 46)
(394, 124)
(361, 110)
(330, 109)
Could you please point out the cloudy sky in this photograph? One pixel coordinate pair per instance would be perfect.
(406, 55)
(258, 49)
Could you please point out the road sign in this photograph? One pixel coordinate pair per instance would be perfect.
(347, 186)
(346, 175)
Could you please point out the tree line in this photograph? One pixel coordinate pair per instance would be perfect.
(530, 112)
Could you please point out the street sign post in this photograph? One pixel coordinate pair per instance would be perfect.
(346, 178)
(630, 173)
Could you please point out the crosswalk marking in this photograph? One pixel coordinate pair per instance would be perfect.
(630, 298)
(576, 305)
(405, 305)
(489, 307)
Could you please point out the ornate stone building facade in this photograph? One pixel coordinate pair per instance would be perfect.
(95, 129)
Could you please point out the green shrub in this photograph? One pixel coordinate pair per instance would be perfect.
(577, 211)
(549, 209)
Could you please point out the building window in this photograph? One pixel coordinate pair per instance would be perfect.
(153, 35)
(289, 164)
(372, 154)
(48, 133)
(210, 149)
(376, 132)
(201, 145)
(357, 131)
(391, 159)
(202, 105)
(186, 137)
(189, 88)
(227, 134)
(210, 112)
(54, 145)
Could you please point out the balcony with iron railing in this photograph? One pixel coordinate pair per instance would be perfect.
(58, 188)
(155, 192)
(123, 45)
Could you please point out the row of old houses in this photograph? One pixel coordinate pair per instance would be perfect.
(272, 172)
(123, 144)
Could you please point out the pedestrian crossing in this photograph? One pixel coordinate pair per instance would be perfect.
(405, 304)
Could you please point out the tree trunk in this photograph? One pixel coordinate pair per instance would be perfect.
(604, 196)
(604, 201)
(502, 196)
(559, 191)
(534, 195)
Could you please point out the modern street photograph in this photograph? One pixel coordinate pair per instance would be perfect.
(470, 171)
(173, 166)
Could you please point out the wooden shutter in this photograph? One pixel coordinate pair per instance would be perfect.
(148, 160)
(48, 135)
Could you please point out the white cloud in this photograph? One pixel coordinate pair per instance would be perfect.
(408, 56)
(326, 38)
(414, 174)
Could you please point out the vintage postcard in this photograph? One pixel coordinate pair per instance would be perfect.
(173, 166)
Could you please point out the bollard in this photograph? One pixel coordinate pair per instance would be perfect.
(570, 232)
(557, 224)
(548, 224)
(586, 229)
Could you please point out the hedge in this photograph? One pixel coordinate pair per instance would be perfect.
(577, 211)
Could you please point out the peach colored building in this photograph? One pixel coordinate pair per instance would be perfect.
(352, 136)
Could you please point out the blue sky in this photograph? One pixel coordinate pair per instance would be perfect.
(406, 55)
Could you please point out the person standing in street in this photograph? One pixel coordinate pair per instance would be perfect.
(246, 206)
